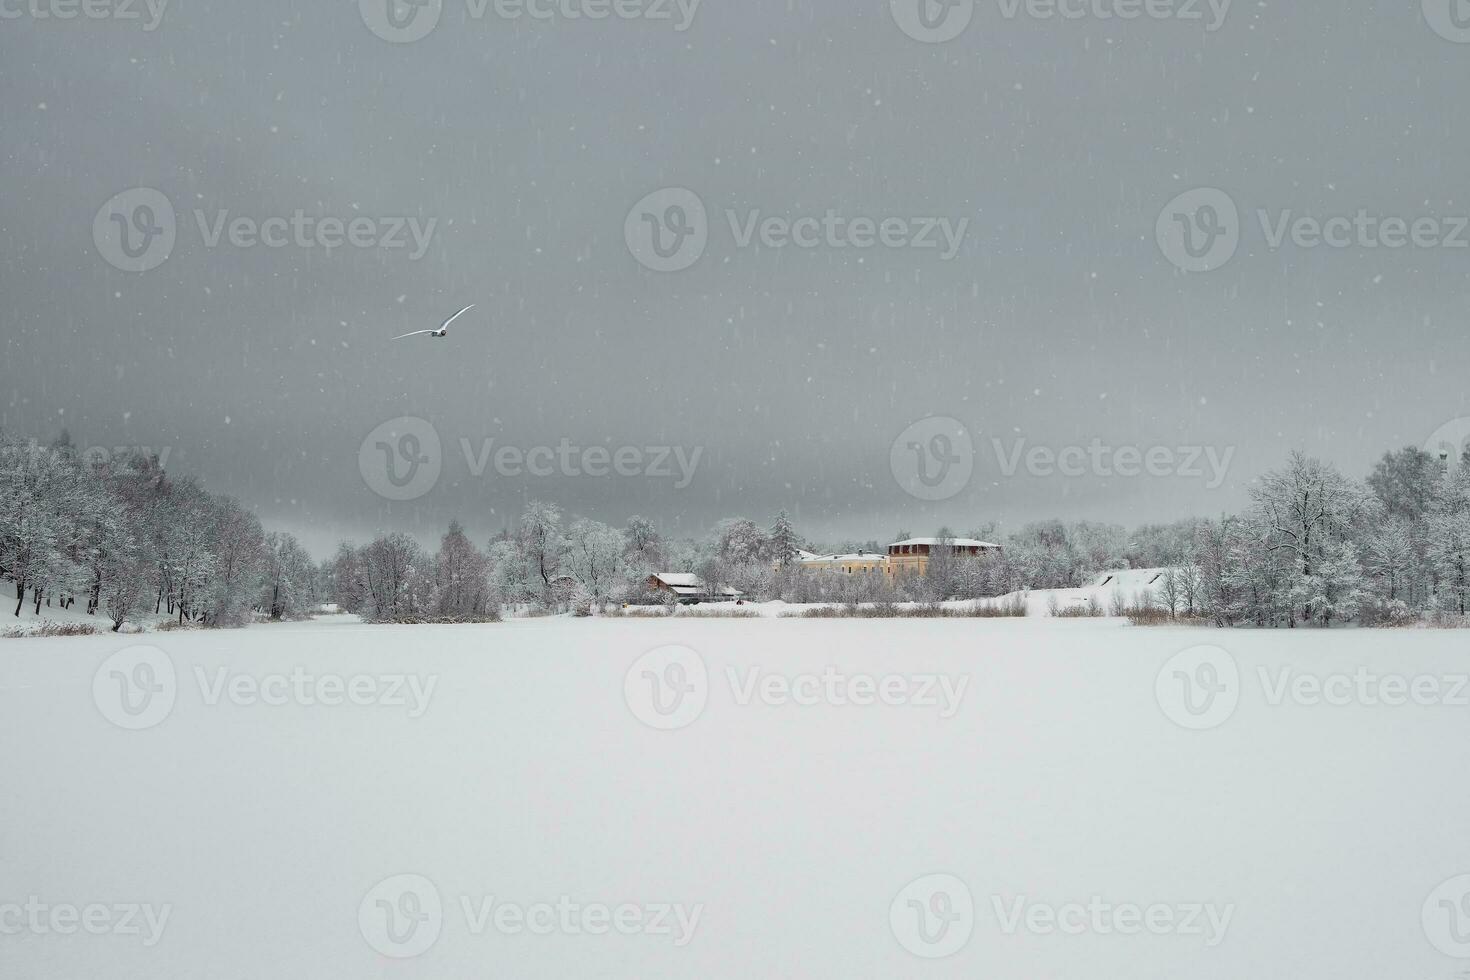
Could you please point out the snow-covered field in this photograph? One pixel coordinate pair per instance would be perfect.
(647, 798)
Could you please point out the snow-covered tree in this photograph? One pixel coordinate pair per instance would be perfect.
(783, 541)
(288, 575)
(594, 556)
(541, 544)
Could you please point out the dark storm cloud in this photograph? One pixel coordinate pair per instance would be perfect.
(824, 147)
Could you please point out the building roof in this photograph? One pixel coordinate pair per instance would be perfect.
(679, 580)
(687, 583)
(859, 556)
(956, 542)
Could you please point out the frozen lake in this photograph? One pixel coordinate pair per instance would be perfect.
(753, 798)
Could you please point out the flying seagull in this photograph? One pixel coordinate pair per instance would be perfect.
(443, 330)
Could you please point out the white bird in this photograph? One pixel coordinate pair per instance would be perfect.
(443, 330)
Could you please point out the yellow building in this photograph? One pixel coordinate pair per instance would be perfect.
(860, 563)
(911, 557)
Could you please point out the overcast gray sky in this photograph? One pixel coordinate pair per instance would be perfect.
(1048, 146)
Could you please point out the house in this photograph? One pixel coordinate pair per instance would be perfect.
(904, 558)
(859, 563)
(911, 557)
(690, 589)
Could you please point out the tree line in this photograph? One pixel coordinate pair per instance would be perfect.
(123, 537)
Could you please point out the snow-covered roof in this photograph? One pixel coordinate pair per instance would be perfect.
(686, 580)
(955, 542)
(687, 583)
(859, 556)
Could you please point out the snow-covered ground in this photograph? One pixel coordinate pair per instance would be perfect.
(30, 620)
(1179, 812)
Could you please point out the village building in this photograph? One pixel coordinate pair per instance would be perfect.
(904, 558)
(690, 589)
(912, 556)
